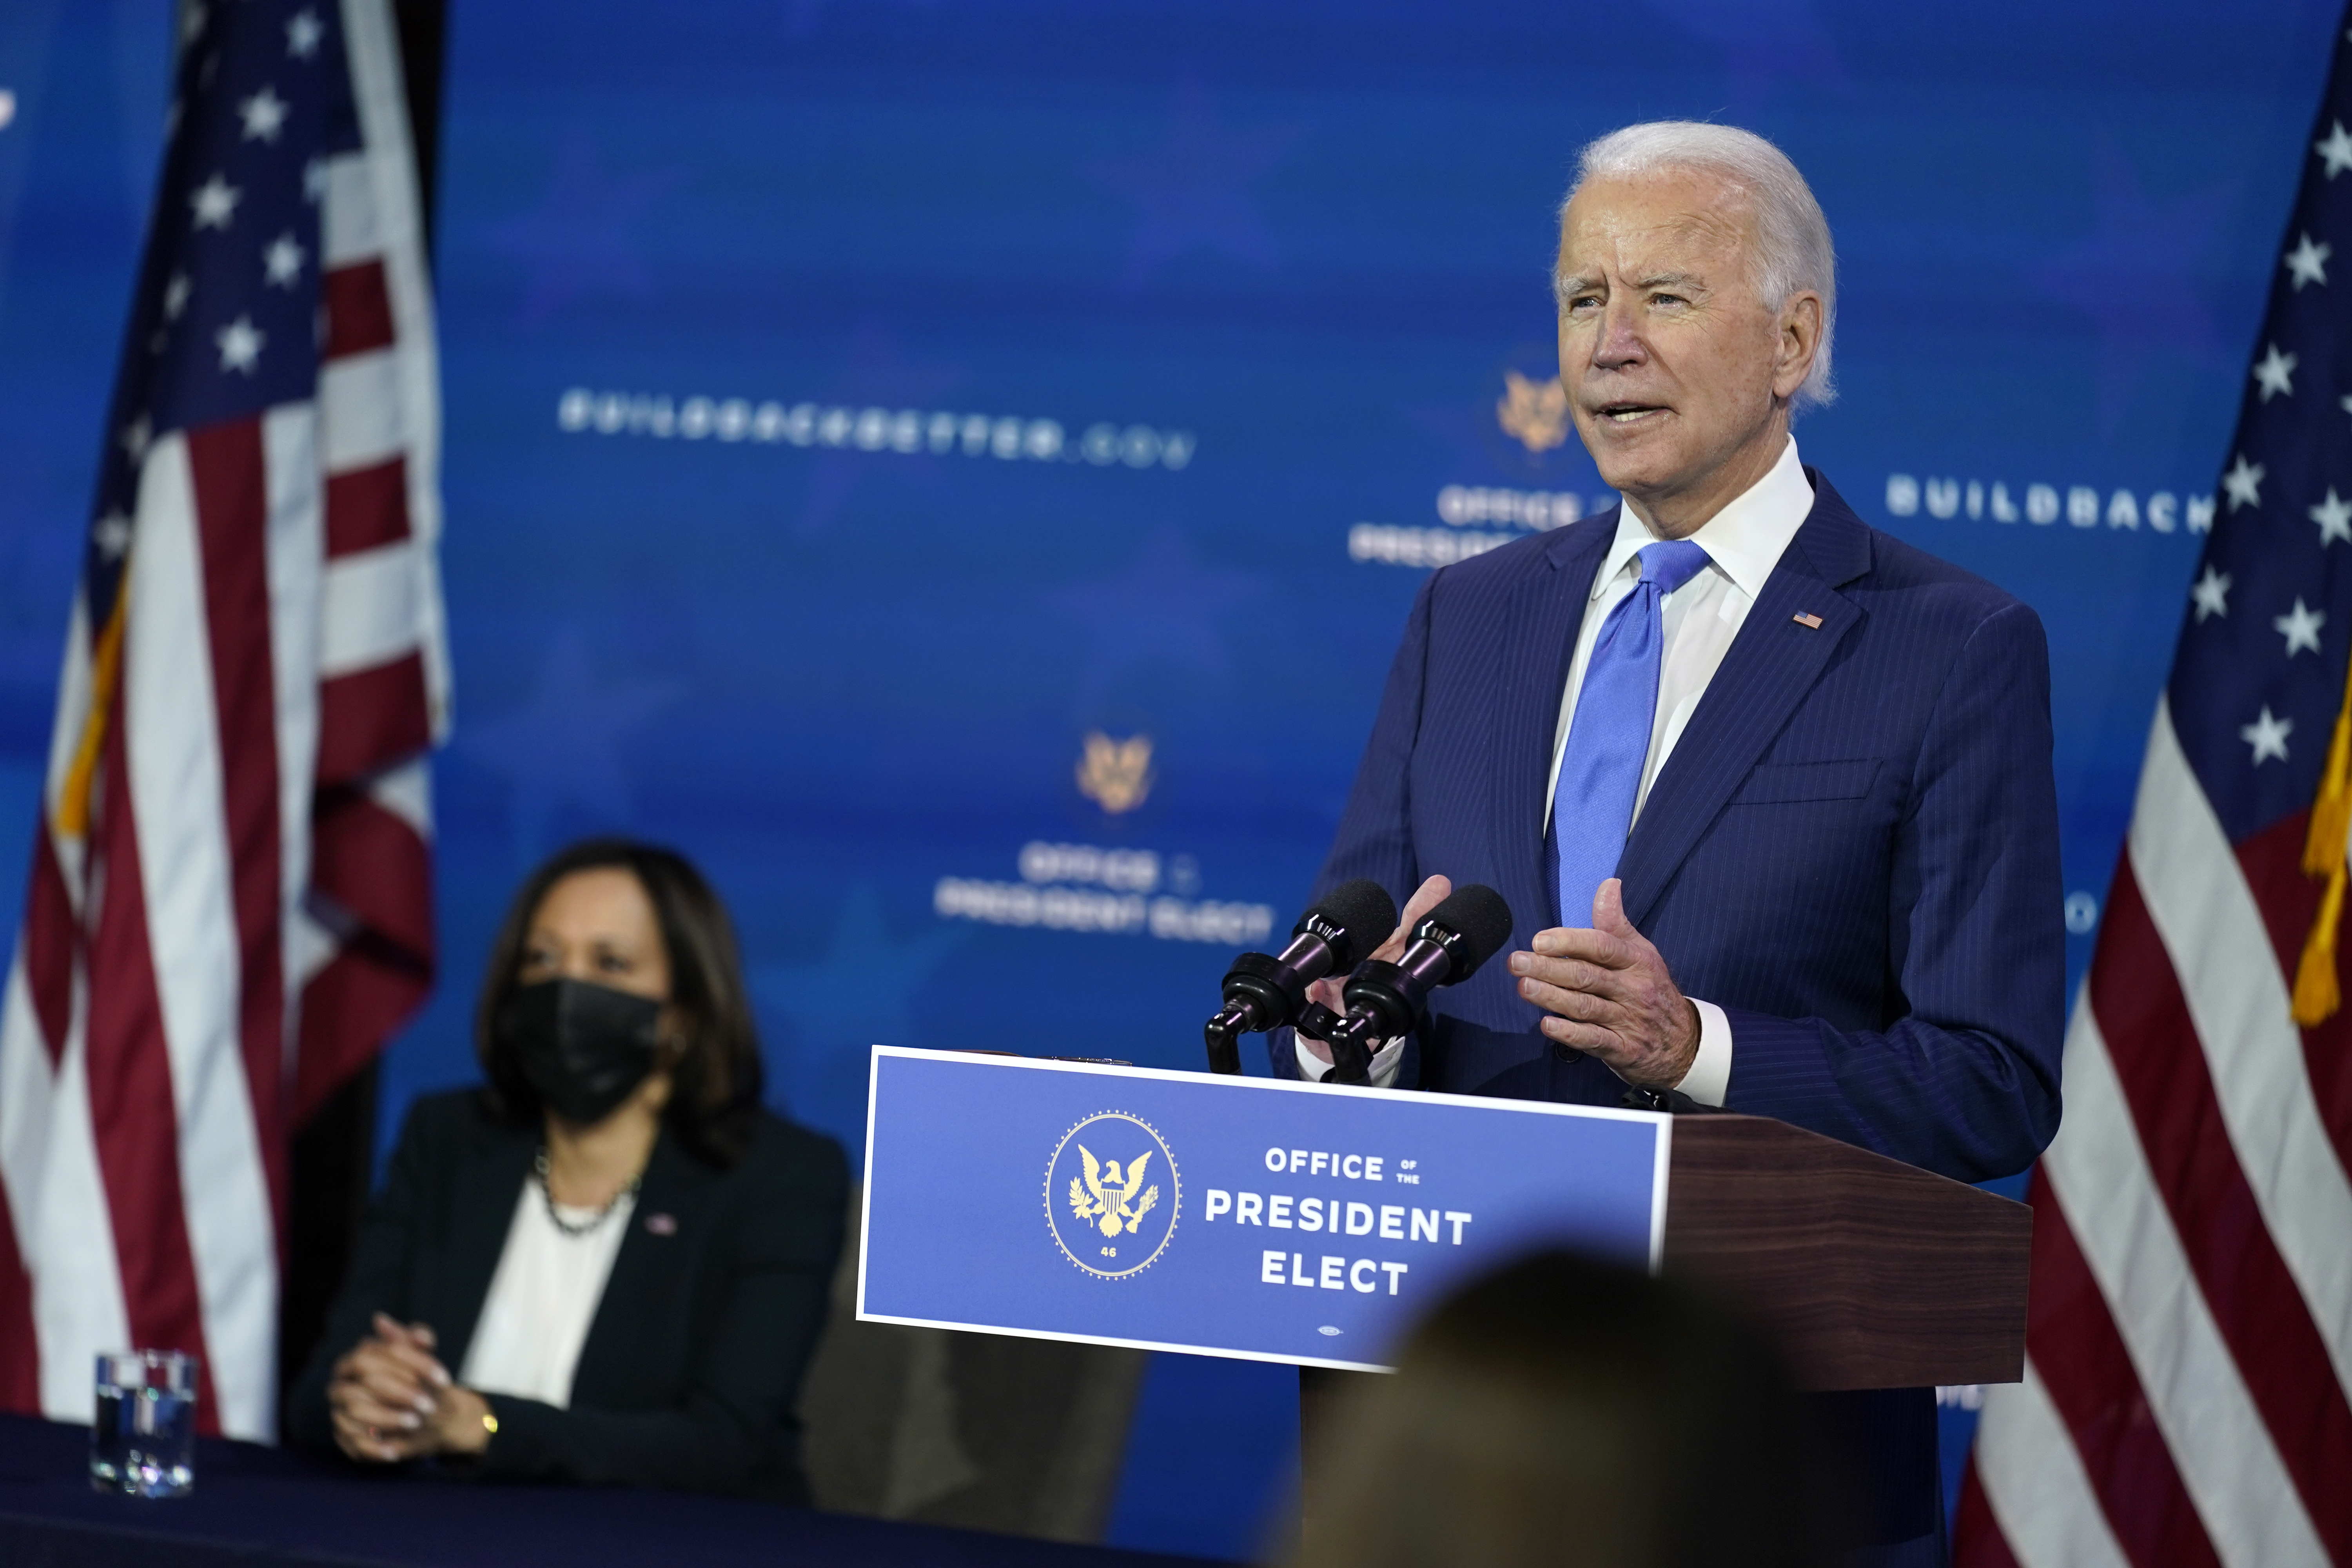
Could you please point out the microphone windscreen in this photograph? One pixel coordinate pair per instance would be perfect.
(1365, 915)
(1483, 920)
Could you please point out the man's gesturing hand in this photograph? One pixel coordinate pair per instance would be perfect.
(1611, 995)
(1427, 897)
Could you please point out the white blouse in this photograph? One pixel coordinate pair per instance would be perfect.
(542, 1299)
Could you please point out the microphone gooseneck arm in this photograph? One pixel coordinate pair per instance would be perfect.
(1262, 991)
(1223, 1035)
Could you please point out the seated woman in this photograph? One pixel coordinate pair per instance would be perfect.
(608, 1264)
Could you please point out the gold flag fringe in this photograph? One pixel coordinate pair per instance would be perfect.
(2317, 994)
(72, 806)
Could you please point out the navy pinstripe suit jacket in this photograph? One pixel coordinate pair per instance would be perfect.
(1852, 850)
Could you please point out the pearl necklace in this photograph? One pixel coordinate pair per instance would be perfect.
(547, 1192)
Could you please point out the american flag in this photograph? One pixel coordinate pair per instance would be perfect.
(2188, 1345)
(230, 904)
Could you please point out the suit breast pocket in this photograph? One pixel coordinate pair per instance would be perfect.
(1788, 784)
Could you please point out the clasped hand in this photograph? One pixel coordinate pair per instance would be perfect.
(1608, 995)
(393, 1400)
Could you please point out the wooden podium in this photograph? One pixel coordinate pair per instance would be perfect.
(1867, 1272)
(1871, 1273)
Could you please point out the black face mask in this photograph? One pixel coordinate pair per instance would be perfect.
(583, 1048)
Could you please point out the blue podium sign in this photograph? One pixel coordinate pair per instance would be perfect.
(1231, 1216)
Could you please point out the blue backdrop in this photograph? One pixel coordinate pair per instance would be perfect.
(956, 467)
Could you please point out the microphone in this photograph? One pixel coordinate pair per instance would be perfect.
(1265, 993)
(1385, 1000)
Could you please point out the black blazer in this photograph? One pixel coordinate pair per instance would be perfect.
(693, 1362)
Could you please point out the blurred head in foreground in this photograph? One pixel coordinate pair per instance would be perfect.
(1569, 1412)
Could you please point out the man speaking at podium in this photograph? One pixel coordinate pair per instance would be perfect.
(1768, 792)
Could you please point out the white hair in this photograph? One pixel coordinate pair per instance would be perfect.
(1793, 252)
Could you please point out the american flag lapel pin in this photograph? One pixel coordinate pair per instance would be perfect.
(1813, 622)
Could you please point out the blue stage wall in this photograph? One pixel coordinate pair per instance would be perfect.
(855, 410)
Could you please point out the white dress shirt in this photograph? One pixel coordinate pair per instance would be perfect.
(1743, 543)
(542, 1299)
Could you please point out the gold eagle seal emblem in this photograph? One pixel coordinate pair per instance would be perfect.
(1102, 1196)
(1534, 412)
(1106, 1211)
(1116, 775)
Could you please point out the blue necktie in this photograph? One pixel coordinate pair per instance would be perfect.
(1609, 741)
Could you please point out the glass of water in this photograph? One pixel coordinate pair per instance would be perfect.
(144, 1442)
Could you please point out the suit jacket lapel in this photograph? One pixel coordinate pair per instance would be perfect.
(1546, 611)
(1770, 666)
(672, 1209)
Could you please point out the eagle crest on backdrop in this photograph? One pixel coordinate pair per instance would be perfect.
(1116, 775)
(1105, 1198)
(1533, 411)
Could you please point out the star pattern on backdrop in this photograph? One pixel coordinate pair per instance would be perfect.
(564, 748)
(859, 992)
(2136, 276)
(1165, 609)
(876, 373)
(859, 988)
(1192, 191)
(579, 240)
(1763, 46)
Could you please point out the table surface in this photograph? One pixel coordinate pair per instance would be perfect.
(257, 1505)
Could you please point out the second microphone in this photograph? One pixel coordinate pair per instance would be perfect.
(1385, 1000)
